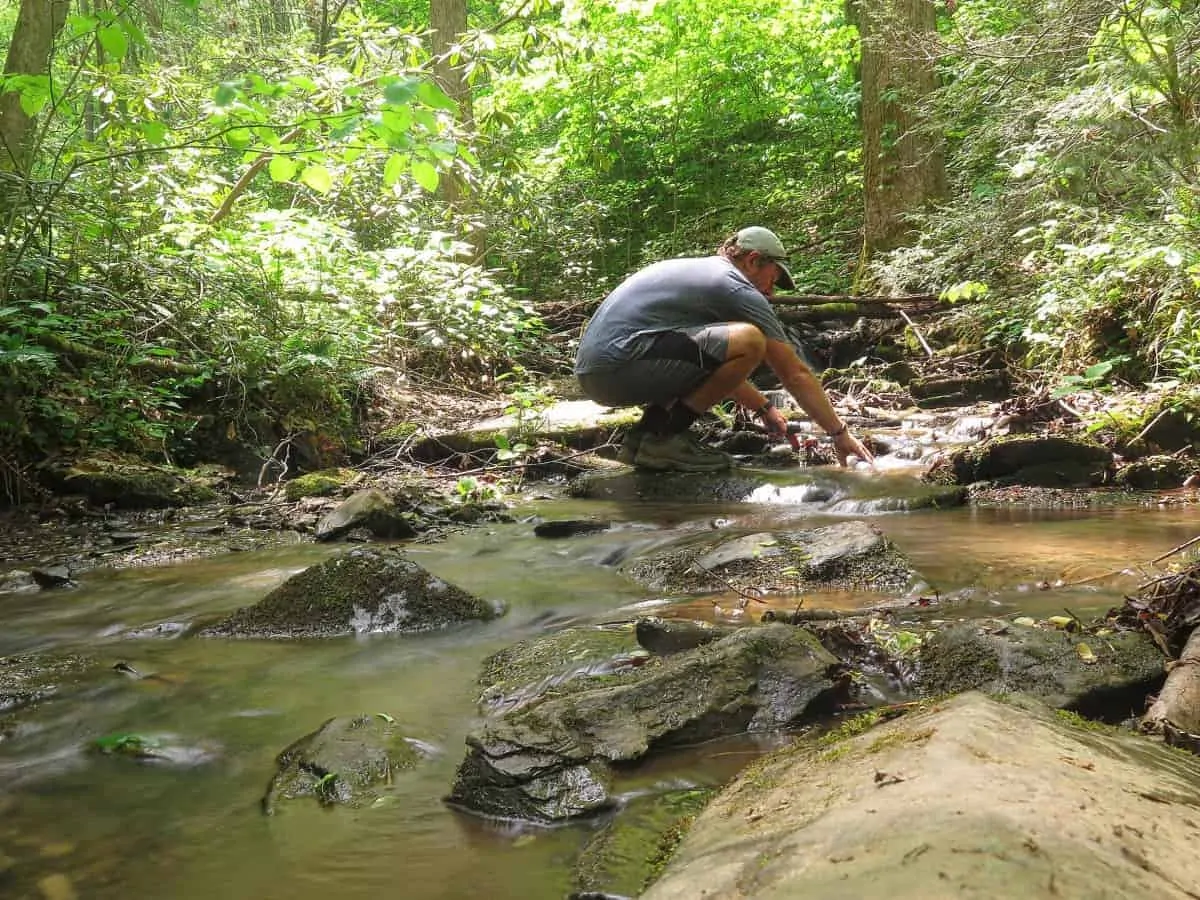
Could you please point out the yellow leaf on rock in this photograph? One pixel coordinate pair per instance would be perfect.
(1085, 653)
(1060, 621)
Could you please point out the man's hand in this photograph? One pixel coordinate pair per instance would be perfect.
(846, 444)
(777, 427)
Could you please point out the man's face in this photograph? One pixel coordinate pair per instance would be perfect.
(762, 272)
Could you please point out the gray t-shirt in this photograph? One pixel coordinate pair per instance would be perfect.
(670, 296)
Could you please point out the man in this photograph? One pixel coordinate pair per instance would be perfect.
(682, 335)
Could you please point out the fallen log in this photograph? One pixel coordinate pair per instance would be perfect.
(818, 299)
(851, 311)
(1175, 714)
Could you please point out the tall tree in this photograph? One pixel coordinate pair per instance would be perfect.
(903, 162)
(29, 54)
(448, 20)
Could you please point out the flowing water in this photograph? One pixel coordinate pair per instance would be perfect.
(77, 823)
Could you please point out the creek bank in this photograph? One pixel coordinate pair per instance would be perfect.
(970, 797)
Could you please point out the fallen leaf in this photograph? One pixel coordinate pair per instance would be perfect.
(1085, 653)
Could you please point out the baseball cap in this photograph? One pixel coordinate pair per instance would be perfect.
(767, 244)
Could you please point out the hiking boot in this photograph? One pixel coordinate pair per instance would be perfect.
(679, 453)
(629, 446)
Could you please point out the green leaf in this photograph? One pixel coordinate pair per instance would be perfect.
(282, 168)
(154, 132)
(226, 93)
(112, 39)
(77, 26)
(444, 149)
(318, 178)
(239, 138)
(432, 95)
(402, 90)
(394, 168)
(426, 174)
(32, 102)
(398, 120)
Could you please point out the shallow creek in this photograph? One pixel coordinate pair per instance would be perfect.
(75, 823)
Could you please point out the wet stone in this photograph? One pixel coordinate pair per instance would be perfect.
(845, 554)
(1109, 678)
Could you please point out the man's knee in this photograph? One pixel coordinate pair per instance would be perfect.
(746, 340)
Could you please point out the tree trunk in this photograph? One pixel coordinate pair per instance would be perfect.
(38, 24)
(447, 20)
(903, 164)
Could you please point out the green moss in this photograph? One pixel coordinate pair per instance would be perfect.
(399, 431)
(852, 727)
(898, 738)
(317, 484)
(667, 844)
(1076, 720)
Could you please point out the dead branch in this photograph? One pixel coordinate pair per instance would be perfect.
(1177, 707)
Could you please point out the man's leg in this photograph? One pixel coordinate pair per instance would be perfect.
(677, 378)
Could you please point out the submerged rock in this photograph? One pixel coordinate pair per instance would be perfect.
(365, 590)
(848, 553)
(1107, 677)
(342, 762)
(972, 798)
(547, 760)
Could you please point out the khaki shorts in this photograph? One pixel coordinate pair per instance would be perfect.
(668, 365)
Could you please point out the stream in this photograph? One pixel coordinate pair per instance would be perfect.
(75, 823)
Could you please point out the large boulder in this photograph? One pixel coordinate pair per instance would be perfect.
(343, 762)
(1106, 676)
(852, 554)
(971, 798)
(365, 590)
(546, 756)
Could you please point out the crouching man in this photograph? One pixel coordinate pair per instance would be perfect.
(682, 335)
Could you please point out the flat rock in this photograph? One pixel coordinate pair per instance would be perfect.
(845, 554)
(971, 798)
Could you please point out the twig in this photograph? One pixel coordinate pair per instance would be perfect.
(732, 587)
(916, 331)
(1145, 431)
(523, 465)
(1175, 550)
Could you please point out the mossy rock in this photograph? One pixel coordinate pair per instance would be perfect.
(318, 484)
(630, 850)
(1098, 676)
(364, 591)
(1154, 473)
(571, 659)
(127, 483)
(1041, 461)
